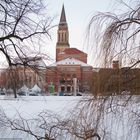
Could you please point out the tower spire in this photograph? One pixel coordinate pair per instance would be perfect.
(62, 33)
(63, 16)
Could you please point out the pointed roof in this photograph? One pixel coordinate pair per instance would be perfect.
(24, 88)
(36, 88)
(63, 15)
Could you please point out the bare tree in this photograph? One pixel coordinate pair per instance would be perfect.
(45, 126)
(100, 118)
(80, 126)
(21, 25)
(116, 35)
(107, 117)
(30, 75)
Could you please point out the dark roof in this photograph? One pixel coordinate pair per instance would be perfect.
(63, 16)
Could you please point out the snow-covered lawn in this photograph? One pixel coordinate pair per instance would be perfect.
(118, 115)
(30, 106)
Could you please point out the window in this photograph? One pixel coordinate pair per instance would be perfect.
(65, 37)
(62, 37)
(58, 37)
(74, 76)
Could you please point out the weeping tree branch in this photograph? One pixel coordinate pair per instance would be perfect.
(118, 33)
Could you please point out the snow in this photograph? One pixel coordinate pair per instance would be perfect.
(33, 61)
(96, 69)
(36, 88)
(117, 120)
(30, 106)
(24, 88)
(70, 61)
(10, 90)
(4, 90)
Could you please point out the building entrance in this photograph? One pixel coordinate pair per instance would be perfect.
(68, 88)
(62, 88)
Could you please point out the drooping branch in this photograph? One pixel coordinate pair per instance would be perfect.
(118, 34)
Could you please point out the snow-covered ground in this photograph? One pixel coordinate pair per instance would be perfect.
(30, 106)
(119, 120)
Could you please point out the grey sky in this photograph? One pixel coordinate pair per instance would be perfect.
(78, 13)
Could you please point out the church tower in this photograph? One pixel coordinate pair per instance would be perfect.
(62, 34)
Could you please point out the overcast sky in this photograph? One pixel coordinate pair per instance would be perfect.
(78, 14)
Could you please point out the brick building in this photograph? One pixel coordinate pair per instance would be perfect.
(2, 78)
(70, 64)
(31, 74)
(116, 80)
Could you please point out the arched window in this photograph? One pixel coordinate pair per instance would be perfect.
(65, 37)
(62, 37)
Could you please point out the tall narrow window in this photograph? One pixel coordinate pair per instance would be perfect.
(62, 37)
(65, 37)
(58, 37)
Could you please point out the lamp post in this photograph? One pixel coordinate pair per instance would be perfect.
(75, 85)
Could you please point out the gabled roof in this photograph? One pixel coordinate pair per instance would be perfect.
(72, 51)
(70, 61)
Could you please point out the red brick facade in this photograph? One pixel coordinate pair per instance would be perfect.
(62, 77)
(71, 64)
(63, 53)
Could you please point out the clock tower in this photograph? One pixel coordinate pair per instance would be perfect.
(62, 34)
